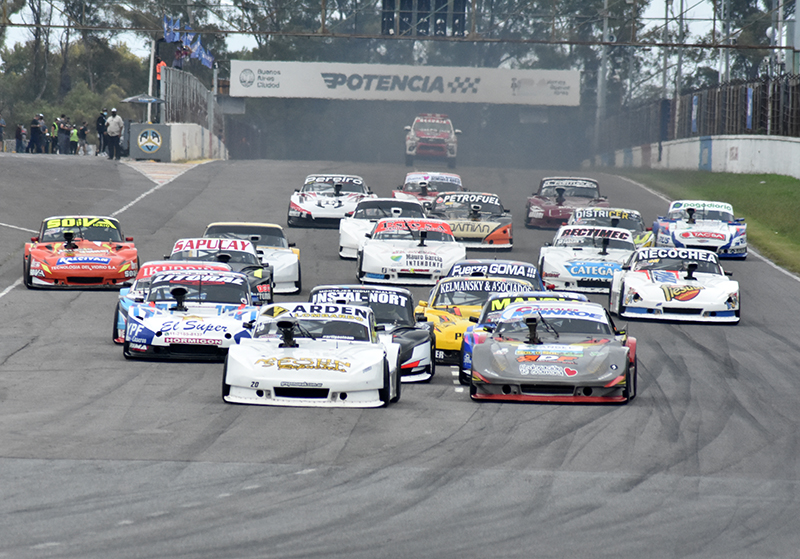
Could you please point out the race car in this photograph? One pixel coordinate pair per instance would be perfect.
(555, 352)
(583, 257)
(425, 186)
(79, 251)
(704, 225)
(353, 229)
(477, 219)
(478, 332)
(679, 284)
(557, 197)
(432, 136)
(189, 315)
(394, 311)
(272, 248)
(408, 251)
(616, 217)
(304, 354)
(498, 269)
(451, 304)
(239, 254)
(137, 291)
(325, 199)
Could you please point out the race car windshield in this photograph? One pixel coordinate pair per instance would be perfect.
(317, 329)
(593, 242)
(56, 234)
(453, 207)
(570, 191)
(701, 214)
(379, 210)
(267, 236)
(676, 265)
(466, 298)
(428, 126)
(518, 330)
(406, 235)
(236, 256)
(417, 187)
(200, 291)
(327, 188)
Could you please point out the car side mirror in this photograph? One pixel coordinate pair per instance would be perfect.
(473, 319)
(457, 131)
(126, 283)
(249, 324)
(292, 245)
(139, 299)
(407, 128)
(368, 235)
(129, 239)
(728, 273)
(621, 332)
(422, 304)
(35, 239)
(166, 257)
(421, 318)
(380, 328)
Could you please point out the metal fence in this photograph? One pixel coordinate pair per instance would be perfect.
(768, 107)
(187, 100)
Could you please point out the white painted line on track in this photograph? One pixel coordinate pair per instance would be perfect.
(750, 251)
(18, 228)
(10, 287)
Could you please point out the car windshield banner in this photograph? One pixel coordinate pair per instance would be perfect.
(384, 82)
(413, 225)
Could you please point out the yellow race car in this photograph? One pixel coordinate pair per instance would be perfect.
(451, 304)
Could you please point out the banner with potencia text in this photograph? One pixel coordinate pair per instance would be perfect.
(384, 82)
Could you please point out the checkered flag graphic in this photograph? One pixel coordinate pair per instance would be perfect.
(465, 85)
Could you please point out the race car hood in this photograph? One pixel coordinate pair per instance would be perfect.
(408, 254)
(586, 261)
(328, 200)
(88, 255)
(450, 323)
(672, 286)
(279, 257)
(432, 135)
(590, 359)
(549, 208)
(210, 321)
(703, 232)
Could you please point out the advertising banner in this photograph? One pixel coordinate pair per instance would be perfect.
(379, 82)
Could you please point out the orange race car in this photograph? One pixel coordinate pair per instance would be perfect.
(79, 251)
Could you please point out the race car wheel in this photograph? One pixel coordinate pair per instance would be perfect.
(126, 350)
(359, 271)
(462, 374)
(620, 306)
(631, 381)
(26, 273)
(114, 325)
(385, 393)
(299, 283)
(398, 384)
(226, 388)
(290, 221)
(409, 160)
(432, 366)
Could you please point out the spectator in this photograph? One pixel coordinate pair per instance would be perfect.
(18, 137)
(63, 135)
(114, 128)
(73, 140)
(41, 146)
(36, 133)
(54, 137)
(82, 131)
(2, 133)
(100, 126)
(160, 65)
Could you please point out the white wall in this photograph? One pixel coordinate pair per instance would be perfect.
(729, 154)
(192, 141)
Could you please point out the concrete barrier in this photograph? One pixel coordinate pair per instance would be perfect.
(720, 154)
(175, 142)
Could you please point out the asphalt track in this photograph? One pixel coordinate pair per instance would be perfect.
(102, 457)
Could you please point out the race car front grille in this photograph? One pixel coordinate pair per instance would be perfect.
(194, 349)
(702, 247)
(593, 283)
(681, 310)
(546, 389)
(84, 280)
(406, 275)
(302, 393)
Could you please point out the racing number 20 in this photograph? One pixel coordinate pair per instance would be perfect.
(254, 384)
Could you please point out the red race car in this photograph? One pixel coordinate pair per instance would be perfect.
(432, 136)
(79, 251)
(552, 205)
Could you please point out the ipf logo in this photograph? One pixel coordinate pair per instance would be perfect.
(149, 141)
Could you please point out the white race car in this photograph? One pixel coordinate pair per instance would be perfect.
(189, 315)
(583, 257)
(318, 355)
(675, 284)
(704, 225)
(352, 230)
(424, 187)
(408, 251)
(325, 199)
(272, 248)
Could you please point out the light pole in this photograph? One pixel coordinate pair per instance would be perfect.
(601, 82)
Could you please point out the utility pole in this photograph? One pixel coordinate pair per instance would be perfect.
(601, 82)
(665, 40)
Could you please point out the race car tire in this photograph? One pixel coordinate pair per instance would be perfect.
(631, 381)
(226, 388)
(126, 350)
(451, 163)
(359, 271)
(290, 221)
(26, 273)
(114, 325)
(398, 384)
(409, 160)
(620, 307)
(432, 366)
(385, 393)
(299, 283)
(462, 375)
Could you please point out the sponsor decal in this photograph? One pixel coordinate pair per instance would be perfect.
(210, 278)
(701, 204)
(412, 225)
(586, 213)
(362, 296)
(592, 269)
(495, 269)
(470, 227)
(681, 292)
(301, 384)
(192, 341)
(65, 260)
(703, 235)
(596, 232)
(677, 253)
(333, 179)
(328, 311)
(547, 358)
(423, 260)
(149, 140)
(432, 177)
(137, 347)
(192, 324)
(536, 212)
(213, 244)
(467, 198)
(550, 349)
(247, 77)
(80, 222)
(295, 363)
(546, 370)
(396, 257)
(482, 285)
(551, 310)
(148, 270)
(662, 276)
(392, 82)
(569, 182)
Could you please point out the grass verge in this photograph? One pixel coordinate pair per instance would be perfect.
(769, 203)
